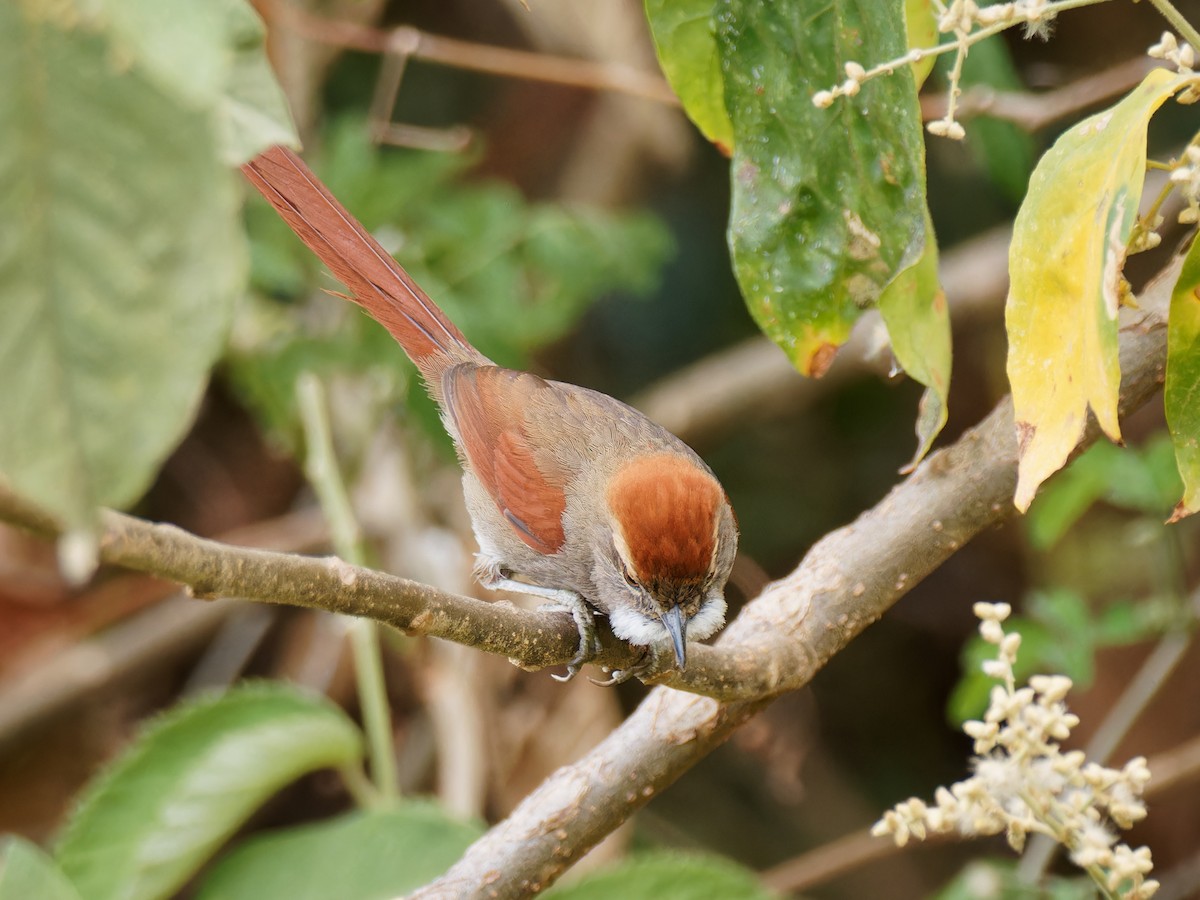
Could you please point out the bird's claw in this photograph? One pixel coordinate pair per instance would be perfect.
(585, 624)
(559, 600)
(620, 676)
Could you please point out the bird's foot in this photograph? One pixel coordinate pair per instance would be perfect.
(559, 600)
(649, 661)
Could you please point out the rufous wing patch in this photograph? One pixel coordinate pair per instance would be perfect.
(486, 405)
(665, 507)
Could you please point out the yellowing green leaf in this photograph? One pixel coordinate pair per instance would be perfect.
(920, 23)
(914, 309)
(1065, 262)
(828, 204)
(687, 50)
(1182, 389)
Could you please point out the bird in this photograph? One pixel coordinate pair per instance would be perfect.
(574, 497)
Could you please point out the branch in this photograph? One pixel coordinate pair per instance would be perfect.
(211, 569)
(406, 41)
(780, 641)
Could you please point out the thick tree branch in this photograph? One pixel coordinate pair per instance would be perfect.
(779, 642)
(211, 569)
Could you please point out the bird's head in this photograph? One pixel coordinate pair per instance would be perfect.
(674, 538)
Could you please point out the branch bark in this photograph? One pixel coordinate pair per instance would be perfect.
(211, 569)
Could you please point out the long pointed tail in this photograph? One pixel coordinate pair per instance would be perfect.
(377, 281)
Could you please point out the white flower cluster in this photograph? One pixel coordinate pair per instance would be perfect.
(1182, 57)
(1186, 177)
(961, 16)
(1024, 783)
(970, 23)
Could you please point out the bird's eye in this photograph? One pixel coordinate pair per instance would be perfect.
(629, 579)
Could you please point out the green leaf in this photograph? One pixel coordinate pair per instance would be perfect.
(1182, 389)
(999, 880)
(178, 45)
(1067, 496)
(920, 25)
(1065, 260)
(674, 875)
(914, 309)
(1127, 622)
(513, 275)
(120, 257)
(828, 204)
(26, 873)
(361, 856)
(1140, 482)
(187, 783)
(1136, 479)
(687, 50)
(251, 111)
(211, 56)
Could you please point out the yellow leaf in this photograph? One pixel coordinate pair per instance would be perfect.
(1068, 249)
(920, 22)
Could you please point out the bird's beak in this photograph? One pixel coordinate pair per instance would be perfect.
(676, 626)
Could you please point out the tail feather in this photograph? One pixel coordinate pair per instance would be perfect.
(377, 281)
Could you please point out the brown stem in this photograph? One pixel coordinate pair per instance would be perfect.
(1033, 111)
(416, 44)
(212, 569)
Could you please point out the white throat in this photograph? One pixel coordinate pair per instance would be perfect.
(641, 630)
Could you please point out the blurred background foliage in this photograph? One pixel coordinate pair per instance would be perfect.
(581, 234)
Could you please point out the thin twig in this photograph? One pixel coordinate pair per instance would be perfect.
(845, 854)
(417, 44)
(1033, 111)
(1178, 22)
